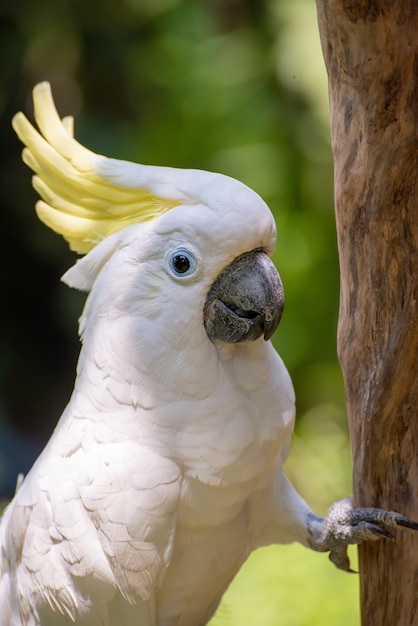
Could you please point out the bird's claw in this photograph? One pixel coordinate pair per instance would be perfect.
(345, 525)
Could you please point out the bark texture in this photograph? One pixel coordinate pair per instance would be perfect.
(371, 54)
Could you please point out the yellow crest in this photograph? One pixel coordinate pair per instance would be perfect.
(77, 202)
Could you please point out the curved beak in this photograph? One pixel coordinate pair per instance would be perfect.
(245, 301)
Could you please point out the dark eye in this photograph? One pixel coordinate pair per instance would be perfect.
(182, 263)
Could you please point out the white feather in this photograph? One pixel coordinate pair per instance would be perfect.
(165, 470)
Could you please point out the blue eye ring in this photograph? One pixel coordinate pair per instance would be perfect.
(182, 263)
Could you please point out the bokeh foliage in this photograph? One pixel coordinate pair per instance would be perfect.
(236, 86)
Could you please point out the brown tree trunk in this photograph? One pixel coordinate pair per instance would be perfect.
(371, 54)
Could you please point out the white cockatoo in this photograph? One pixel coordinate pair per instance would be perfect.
(166, 468)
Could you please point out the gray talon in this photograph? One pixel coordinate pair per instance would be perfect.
(381, 532)
(400, 520)
(345, 525)
(341, 560)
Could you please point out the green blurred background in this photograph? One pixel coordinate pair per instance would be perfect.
(236, 86)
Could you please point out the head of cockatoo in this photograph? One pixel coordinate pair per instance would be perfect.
(156, 236)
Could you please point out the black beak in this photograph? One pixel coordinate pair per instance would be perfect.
(245, 301)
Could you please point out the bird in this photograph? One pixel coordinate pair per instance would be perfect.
(166, 468)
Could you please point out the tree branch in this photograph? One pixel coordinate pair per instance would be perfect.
(371, 54)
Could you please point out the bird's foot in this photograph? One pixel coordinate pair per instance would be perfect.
(345, 525)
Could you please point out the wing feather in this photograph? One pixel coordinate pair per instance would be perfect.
(104, 541)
